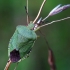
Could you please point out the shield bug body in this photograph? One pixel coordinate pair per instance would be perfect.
(21, 42)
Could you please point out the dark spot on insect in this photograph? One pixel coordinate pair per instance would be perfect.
(14, 56)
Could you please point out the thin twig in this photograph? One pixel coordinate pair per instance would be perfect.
(27, 13)
(45, 18)
(44, 38)
(51, 59)
(54, 21)
(39, 11)
(8, 65)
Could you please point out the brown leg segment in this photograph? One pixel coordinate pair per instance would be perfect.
(8, 65)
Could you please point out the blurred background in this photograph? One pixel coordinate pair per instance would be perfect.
(12, 13)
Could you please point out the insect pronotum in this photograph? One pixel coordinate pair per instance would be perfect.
(24, 37)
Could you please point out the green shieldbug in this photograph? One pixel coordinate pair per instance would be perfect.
(21, 42)
(24, 37)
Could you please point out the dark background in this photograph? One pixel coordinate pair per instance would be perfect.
(12, 13)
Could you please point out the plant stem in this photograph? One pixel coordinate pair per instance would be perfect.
(39, 11)
(54, 22)
(7, 65)
(27, 13)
